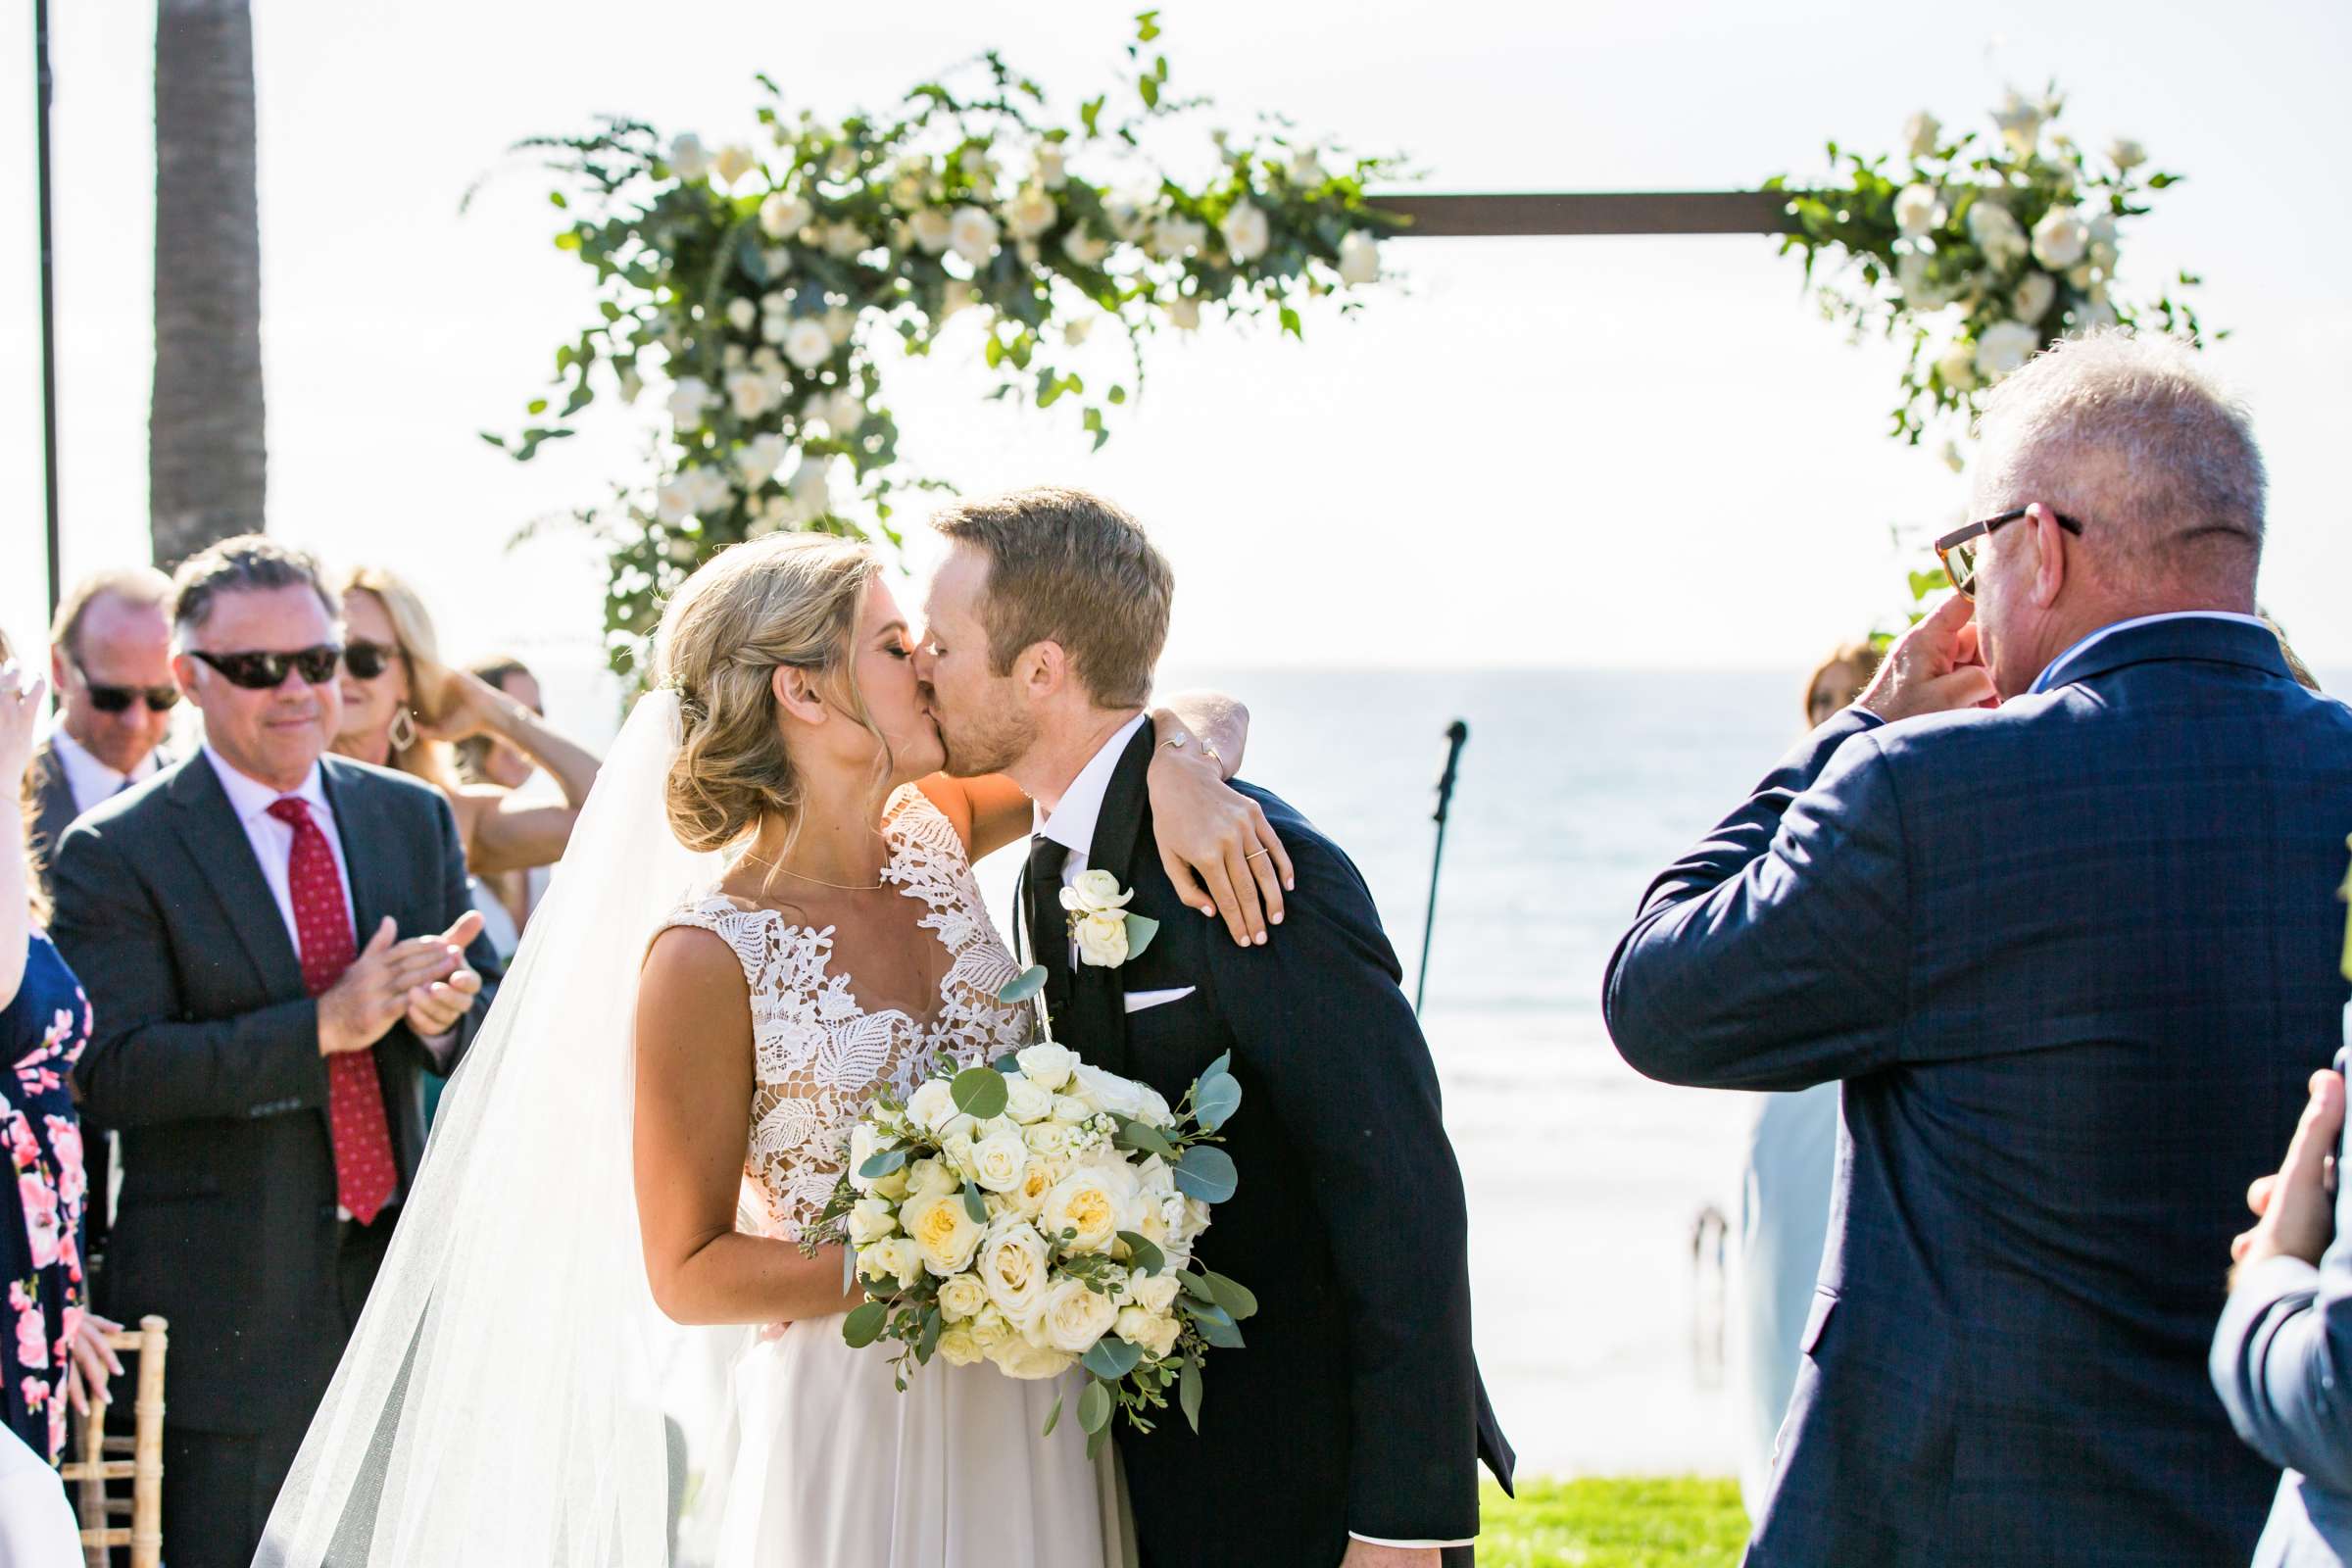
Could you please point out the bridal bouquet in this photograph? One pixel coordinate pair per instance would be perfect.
(1040, 1213)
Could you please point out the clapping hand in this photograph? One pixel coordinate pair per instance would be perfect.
(423, 979)
(2296, 1207)
(1935, 667)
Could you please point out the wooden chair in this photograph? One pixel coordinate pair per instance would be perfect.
(143, 1469)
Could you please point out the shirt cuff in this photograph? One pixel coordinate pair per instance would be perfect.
(441, 1047)
(2275, 1276)
(1410, 1546)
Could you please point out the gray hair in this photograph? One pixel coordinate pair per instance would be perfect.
(250, 562)
(2135, 434)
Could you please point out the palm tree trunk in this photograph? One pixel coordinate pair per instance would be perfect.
(205, 455)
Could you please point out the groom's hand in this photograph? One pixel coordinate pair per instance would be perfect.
(1937, 666)
(1364, 1554)
(2297, 1205)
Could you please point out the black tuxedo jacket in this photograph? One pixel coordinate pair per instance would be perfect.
(204, 1059)
(53, 806)
(1357, 1404)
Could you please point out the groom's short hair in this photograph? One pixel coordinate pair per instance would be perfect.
(1069, 568)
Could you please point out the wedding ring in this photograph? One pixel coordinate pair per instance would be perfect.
(1255, 854)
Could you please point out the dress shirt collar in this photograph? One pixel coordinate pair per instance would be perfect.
(1072, 824)
(2047, 679)
(87, 779)
(250, 798)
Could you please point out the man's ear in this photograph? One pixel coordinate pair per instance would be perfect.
(2050, 553)
(795, 691)
(1043, 668)
(183, 670)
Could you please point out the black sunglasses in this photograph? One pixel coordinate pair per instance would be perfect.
(367, 661)
(117, 699)
(1958, 549)
(260, 672)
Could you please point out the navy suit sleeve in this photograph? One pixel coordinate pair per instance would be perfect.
(146, 1064)
(1775, 954)
(2283, 1353)
(1319, 1022)
(480, 956)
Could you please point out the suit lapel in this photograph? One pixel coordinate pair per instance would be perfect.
(54, 803)
(1098, 1002)
(209, 830)
(369, 877)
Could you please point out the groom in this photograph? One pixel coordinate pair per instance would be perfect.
(1349, 1429)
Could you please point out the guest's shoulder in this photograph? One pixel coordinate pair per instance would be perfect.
(1311, 849)
(140, 802)
(382, 788)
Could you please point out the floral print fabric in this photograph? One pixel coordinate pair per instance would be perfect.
(42, 1032)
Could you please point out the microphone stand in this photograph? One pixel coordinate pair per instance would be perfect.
(1455, 734)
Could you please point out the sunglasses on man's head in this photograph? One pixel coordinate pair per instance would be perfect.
(366, 659)
(117, 699)
(260, 672)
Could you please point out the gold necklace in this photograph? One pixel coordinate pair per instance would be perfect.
(803, 876)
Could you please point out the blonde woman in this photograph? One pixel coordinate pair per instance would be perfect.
(403, 708)
(769, 916)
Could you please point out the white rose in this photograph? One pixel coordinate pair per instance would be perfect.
(709, 489)
(1921, 133)
(734, 161)
(747, 392)
(1073, 1107)
(783, 215)
(2059, 239)
(871, 1219)
(1030, 213)
(2034, 297)
(1074, 332)
(932, 228)
(1037, 1180)
(1075, 1317)
(778, 261)
(961, 1297)
(1019, 1358)
(1246, 232)
(813, 486)
(2003, 347)
(806, 343)
(1122, 1096)
(1151, 1332)
(998, 1161)
(972, 234)
(1046, 1064)
(955, 1148)
(758, 462)
(1918, 210)
(1084, 1204)
(1359, 257)
(991, 1328)
(862, 1141)
(1996, 233)
(1126, 215)
(893, 1259)
(927, 1177)
(1084, 247)
(741, 315)
(2125, 154)
(943, 1232)
(1053, 171)
(1914, 281)
(1153, 1293)
(1050, 1139)
(845, 239)
(1012, 1268)
(1025, 1101)
(1958, 367)
(689, 399)
(1194, 1221)
(959, 1345)
(932, 1105)
(1101, 940)
(841, 163)
(1154, 1179)
(688, 158)
(2020, 123)
(1095, 892)
(841, 324)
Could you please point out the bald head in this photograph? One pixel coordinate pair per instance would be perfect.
(2132, 436)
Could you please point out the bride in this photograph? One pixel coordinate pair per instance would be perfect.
(596, 1342)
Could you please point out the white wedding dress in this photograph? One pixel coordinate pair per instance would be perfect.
(513, 1395)
(836, 1466)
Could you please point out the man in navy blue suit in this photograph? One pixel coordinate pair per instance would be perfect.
(2053, 901)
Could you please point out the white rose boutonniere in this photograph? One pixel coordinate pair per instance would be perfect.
(1107, 934)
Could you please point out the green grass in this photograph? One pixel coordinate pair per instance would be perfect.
(1613, 1524)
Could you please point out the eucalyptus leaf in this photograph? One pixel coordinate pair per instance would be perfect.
(1144, 1139)
(979, 1092)
(1231, 1294)
(1112, 1358)
(1093, 1407)
(1206, 1173)
(865, 1324)
(1096, 1439)
(1220, 1332)
(1143, 1253)
(1028, 983)
(974, 1204)
(1052, 1417)
(1140, 929)
(1188, 1392)
(879, 1165)
(1197, 1288)
(1223, 1065)
(1216, 1100)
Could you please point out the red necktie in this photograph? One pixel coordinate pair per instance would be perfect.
(365, 1176)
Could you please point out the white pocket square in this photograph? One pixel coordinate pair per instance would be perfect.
(1138, 1000)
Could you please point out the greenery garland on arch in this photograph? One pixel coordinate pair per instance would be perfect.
(1979, 251)
(759, 290)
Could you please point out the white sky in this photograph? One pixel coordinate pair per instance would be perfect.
(1554, 452)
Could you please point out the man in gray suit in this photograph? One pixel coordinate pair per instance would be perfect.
(2283, 1350)
(109, 663)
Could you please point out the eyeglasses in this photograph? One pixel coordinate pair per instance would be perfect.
(260, 672)
(367, 661)
(117, 699)
(1958, 550)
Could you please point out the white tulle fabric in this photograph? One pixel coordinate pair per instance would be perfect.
(512, 1395)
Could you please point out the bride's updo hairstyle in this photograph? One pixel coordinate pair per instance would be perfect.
(788, 599)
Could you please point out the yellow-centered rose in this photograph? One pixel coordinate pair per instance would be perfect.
(1083, 1204)
(1012, 1268)
(961, 1297)
(1153, 1332)
(942, 1230)
(998, 1160)
(1075, 1317)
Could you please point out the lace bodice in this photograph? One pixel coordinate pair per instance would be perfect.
(818, 1057)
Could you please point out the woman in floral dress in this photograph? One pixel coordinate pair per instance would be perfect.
(52, 1351)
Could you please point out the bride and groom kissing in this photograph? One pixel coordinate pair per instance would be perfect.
(794, 813)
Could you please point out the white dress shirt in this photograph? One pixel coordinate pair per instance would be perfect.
(273, 841)
(1071, 824)
(2041, 682)
(88, 780)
